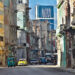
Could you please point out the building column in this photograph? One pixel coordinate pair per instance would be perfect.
(72, 51)
(58, 53)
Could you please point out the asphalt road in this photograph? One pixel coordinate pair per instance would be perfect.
(32, 71)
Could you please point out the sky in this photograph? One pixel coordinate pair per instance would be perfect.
(33, 3)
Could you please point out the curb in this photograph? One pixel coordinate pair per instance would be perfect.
(67, 70)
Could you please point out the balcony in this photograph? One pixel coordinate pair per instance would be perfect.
(73, 20)
(62, 28)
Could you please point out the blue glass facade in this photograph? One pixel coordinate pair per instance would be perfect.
(46, 13)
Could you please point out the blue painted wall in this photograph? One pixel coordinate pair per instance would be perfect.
(45, 11)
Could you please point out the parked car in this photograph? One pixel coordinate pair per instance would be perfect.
(34, 61)
(43, 60)
(48, 58)
(11, 61)
(54, 59)
(22, 62)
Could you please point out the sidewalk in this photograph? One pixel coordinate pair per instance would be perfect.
(67, 70)
(1, 67)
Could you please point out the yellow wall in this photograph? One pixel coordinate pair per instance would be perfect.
(2, 23)
(1, 6)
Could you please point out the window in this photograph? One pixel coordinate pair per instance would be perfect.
(0, 25)
(1, 38)
(20, 1)
(1, 13)
(46, 13)
(73, 21)
(62, 20)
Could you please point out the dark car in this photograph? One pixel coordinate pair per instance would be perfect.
(34, 61)
(54, 59)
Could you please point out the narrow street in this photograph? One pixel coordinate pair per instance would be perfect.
(32, 71)
(37, 37)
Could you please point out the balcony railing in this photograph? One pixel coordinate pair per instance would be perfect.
(62, 28)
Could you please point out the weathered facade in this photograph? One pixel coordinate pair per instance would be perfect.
(61, 48)
(41, 34)
(66, 33)
(52, 41)
(2, 43)
(71, 30)
(10, 22)
(8, 28)
(23, 35)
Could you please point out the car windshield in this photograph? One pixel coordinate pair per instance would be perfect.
(48, 56)
(22, 59)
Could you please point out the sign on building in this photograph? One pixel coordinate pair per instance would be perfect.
(44, 12)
